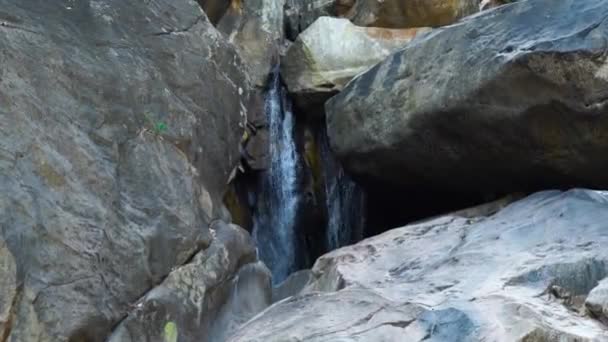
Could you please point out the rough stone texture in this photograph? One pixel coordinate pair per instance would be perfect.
(215, 9)
(330, 53)
(256, 27)
(597, 301)
(203, 300)
(99, 200)
(409, 13)
(8, 290)
(510, 99)
(518, 275)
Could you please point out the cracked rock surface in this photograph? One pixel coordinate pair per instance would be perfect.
(521, 274)
(120, 126)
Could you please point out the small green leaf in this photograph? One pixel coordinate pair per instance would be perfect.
(161, 127)
(170, 332)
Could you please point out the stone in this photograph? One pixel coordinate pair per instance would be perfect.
(121, 124)
(330, 53)
(250, 294)
(511, 276)
(339, 316)
(291, 286)
(508, 100)
(254, 144)
(411, 13)
(597, 301)
(8, 289)
(299, 15)
(205, 299)
(256, 27)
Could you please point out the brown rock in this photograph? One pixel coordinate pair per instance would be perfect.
(409, 13)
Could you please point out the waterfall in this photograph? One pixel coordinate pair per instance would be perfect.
(345, 201)
(274, 223)
(285, 235)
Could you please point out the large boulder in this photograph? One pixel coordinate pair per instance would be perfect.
(299, 15)
(256, 27)
(510, 99)
(409, 13)
(597, 301)
(332, 51)
(206, 299)
(519, 275)
(121, 123)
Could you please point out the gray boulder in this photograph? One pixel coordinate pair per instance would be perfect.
(520, 275)
(291, 286)
(597, 301)
(299, 15)
(121, 124)
(330, 53)
(510, 99)
(206, 299)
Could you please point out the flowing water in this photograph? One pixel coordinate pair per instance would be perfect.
(345, 201)
(278, 196)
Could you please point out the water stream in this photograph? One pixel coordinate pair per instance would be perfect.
(345, 201)
(282, 234)
(278, 196)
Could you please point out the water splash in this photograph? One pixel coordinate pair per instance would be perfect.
(278, 196)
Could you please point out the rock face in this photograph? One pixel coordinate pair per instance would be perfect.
(519, 275)
(121, 123)
(330, 53)
(412, 13)
(203, 301)
(299, 15)
(256, 27)
(293, 285)
(506, 100)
